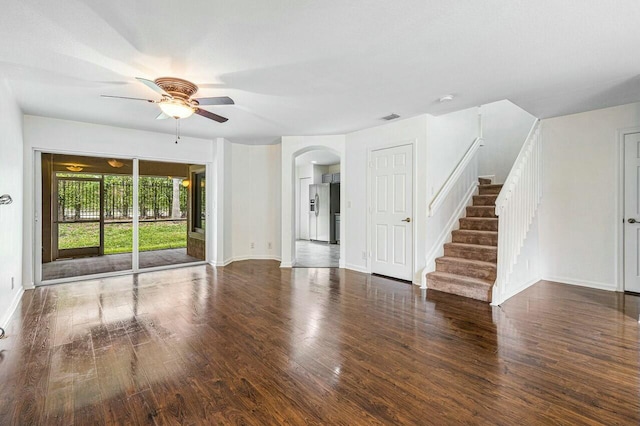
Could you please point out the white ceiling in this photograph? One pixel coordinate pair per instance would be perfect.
(301, 67)
(321, 158)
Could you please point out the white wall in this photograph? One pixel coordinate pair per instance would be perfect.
(449, 137)
(578, 214)
(53, 135)
(358, 144)
(445, 214)
(222, 186)
(255, 200)
(11, 162)
(318, 171)
(291, 147)
(505, 127)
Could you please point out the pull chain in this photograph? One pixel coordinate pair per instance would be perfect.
(177, 130)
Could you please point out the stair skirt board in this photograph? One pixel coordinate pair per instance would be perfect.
(468, 266)
(438, 247)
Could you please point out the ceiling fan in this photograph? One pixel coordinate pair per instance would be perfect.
(177, 99)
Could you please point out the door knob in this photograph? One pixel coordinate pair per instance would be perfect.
(631, 220)
(407, 219)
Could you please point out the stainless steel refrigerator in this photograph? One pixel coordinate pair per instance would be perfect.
(324, 204)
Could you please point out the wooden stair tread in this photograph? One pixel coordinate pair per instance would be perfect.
(473, 288)
(461, 279)
(450, 259)
(471, 246)
(469, 265)
(476, 231)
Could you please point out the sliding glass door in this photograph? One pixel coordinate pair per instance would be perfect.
(112, 215)
(163, 204)
(86, 215)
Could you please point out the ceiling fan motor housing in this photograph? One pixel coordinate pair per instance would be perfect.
(178, 88)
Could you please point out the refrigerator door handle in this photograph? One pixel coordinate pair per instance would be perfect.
(317, 205)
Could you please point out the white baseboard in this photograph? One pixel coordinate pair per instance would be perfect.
(12, 308)
(286, 264)
(583, 283)
(240, 258)
(356, 268)
(222, 263)
(256, 257)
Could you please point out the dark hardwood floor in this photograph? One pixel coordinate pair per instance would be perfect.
(255, 344)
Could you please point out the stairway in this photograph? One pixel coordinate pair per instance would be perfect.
(468, 267)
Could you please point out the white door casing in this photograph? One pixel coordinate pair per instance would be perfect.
(392, 212)
(632, 212)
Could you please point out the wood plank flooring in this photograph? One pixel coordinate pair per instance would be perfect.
(317, 254)
(255, 344)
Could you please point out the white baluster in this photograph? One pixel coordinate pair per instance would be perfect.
(516, 207)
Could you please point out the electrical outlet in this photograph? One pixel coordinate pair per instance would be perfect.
(253, 245)
(12, 282)
(364, 255)
(269, 245)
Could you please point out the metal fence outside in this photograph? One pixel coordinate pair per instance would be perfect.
(79, 199)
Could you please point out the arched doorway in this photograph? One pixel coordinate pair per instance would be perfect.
(292, 149)
(317, 209)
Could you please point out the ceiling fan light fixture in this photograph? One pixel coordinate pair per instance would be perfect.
(74, 168)
(176, 109)
(115, 163)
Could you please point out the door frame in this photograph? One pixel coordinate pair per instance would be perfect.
(290, 189)
(55, 222)
(414, 195)
(36, 223)
(619, 206)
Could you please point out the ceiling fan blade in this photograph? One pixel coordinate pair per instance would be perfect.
(162, 116)
(220, 100)
(153, 86)
(210, 115)
(125, 97)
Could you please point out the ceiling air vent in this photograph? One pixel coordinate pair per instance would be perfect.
(391, 117)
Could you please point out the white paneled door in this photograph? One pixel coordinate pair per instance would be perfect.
(392, 212)
(632, 212)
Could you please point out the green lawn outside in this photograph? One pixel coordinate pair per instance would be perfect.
(118, 237)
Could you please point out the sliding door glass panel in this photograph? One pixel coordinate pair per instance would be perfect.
(164, 210)
(86, 215)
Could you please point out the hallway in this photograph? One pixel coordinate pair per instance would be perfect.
(316, 254)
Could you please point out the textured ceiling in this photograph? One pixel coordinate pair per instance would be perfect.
(318, 67)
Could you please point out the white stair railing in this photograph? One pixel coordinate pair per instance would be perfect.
(516, 207)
